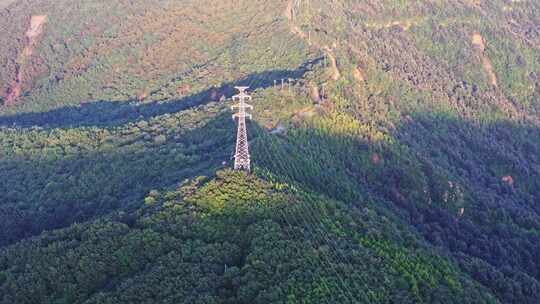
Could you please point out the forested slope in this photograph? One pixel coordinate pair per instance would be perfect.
(236, 239)
(399, 163)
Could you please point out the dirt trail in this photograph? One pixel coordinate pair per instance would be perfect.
(478, 42)
(32, 35)
(333, 63)
(289, 12)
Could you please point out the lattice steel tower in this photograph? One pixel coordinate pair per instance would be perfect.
(242, 160)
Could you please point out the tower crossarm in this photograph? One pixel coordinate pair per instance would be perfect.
(245, 115)
(241, 97)
(245, 106)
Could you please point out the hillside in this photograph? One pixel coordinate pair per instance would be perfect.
(399, 162)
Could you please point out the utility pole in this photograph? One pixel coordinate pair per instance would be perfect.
(289, 81)
(242, 159)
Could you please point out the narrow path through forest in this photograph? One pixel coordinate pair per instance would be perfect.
(290, 13)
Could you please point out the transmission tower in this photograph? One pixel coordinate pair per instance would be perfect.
(242, 160)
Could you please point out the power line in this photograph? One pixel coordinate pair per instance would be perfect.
(329, 240)
(324, 238)
(284, 216)
(309, 211)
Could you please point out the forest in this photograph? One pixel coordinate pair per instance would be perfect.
(398, 163)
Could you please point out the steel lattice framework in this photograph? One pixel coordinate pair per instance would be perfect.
(242, 159)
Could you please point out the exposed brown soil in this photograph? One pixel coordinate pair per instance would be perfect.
(358, 75)
(303, 114)
(32, 36)
(478, 42)
(333, 63)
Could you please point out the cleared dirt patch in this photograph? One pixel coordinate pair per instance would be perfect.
(36, 26)
(32, 35)
(479, 44)
(358, 75)
(478, 41)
